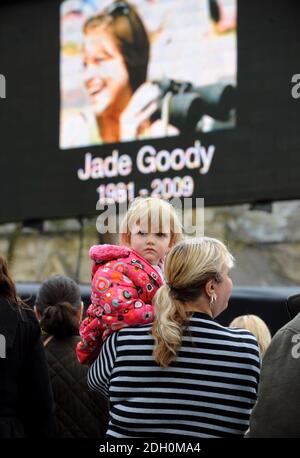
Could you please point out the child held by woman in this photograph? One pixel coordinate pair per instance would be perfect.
(125, 278)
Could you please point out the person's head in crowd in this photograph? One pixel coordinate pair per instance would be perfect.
(59, 307)
(196, 272)
(115, 55)
(257, 326)
(151, 227)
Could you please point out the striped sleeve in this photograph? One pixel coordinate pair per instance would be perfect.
(100, 371)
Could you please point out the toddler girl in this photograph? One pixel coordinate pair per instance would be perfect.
(125, 278)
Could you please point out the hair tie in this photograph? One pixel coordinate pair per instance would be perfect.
(171, 287)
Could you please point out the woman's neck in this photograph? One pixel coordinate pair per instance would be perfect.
(109, 126)
(201, 305)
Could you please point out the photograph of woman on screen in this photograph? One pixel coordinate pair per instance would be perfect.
(130, 70)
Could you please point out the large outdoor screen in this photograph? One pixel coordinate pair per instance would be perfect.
(103, 99)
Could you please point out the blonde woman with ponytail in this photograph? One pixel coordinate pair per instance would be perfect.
(186, 374)
(205, 287)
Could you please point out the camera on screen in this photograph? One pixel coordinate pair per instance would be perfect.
(186, 104)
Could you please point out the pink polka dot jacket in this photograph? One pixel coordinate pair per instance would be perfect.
(123, 286)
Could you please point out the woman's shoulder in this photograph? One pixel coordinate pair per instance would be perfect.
(243, 339)
(28, 325)
(241, 333)
(17, 313)
(62, 353)
(233, 334)
(138, 334)
(64, 345)
(17, 322)
(62, 349)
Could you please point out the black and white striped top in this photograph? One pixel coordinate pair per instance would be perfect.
(208, 391)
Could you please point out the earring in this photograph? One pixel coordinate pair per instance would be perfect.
(212, 300)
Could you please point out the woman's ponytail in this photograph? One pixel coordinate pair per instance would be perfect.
(60, 320)
(168, 326)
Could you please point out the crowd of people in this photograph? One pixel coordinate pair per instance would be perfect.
(149, 358)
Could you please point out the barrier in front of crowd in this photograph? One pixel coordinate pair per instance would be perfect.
(275, 305)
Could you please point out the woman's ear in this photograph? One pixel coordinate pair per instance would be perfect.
(209, 288)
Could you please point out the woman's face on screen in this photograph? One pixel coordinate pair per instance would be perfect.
(106, 76)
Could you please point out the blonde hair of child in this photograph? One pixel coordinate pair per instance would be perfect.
(189, 266)
(258, 328)
(156, 214)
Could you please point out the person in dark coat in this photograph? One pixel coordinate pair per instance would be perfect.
(79, 412)
(26, 401)
(276, 413)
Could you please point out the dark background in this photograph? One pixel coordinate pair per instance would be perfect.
(257, 161)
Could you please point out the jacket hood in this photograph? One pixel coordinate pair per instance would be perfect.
(100, 253)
